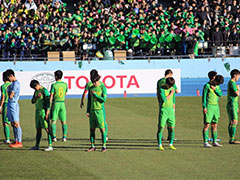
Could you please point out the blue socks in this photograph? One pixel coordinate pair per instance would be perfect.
(17, 134)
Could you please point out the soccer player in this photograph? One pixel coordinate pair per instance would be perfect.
(211, 111)
(212, 75)
(3, 108)
(161, 83)
(166, 96)
(58, 92)
(232, 105)
(41, 99)
(87, 87)
(13, 108)
(97, 96)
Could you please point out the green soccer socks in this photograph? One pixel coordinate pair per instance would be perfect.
(171, 135)
(159, 135)
(214, 136)
(92, 138)
(64, 130)
(7, 132)
(38, 137)
(54, 128)
(104, 138)
(205, 136)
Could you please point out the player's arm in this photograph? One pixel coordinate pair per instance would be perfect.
(52, 93)
(47, 102)
(88, 106)
(34, 98)
(12, 92)
(218, 91)
(175, 87)
(84, 95)
(102, 98)
(2, 100)
(174, 101)
(158, 91)
(235, 89)
(204, 98)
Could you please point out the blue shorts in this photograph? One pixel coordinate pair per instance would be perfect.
(13, 112)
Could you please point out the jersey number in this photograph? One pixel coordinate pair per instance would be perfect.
(60, 93)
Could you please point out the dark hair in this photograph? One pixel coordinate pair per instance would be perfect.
(212, 74)
(170, 82)
(4, 77)
(234, 72)
(93, 71)
(9, 72)
(168, 71)
(219, 79)
(94, 76)
(58, 74)
(33, 83)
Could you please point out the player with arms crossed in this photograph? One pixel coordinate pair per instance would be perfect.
(41, 99)
(13, 108)
(232, 105)
(58, 110)
(87, 87)
(97, 97)
(3, 108)
(211, 111)
(166, 96)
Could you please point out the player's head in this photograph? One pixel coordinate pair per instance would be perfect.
(4, 77)
(10, 75)
(34, 84)
(170, 81)
(212, 75)
(235, 74)
(168, 73)
(95, 77)
(93, 71)
(219, 79)
(58, 75)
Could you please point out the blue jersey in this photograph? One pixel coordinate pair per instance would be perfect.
(14, 87)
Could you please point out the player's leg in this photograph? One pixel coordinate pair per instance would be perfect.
(6, 124)
(10, 118)
(105, 122)
(17, 127)
(63, 119)
(162, 118)
(233, 117)
(171, 124)
(54, 117)
(207, 121)
(100, 123)
(49, 135)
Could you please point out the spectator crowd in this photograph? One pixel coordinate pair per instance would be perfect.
(30, 28)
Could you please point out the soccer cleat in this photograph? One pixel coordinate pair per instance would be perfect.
(7, 142)
(234, 142)
(91, 149)
(216, 144)
(207, 145)
(172, 147)
(104, 149)
(16, 145)
(49, 149)
(54, 139)
(35, 148)
(160, 147)
(64, 139)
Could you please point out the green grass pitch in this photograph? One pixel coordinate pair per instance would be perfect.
(132, 148)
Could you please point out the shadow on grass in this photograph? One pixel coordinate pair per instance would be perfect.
(82, 144)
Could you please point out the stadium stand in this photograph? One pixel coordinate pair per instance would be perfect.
(31, 28)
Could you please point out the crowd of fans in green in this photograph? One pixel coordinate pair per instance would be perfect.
(30, 28)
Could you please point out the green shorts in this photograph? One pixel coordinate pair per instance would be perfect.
(4, 114)
(96, 119)
(40, 119)
(58, 111)
(232, 110)
(212, 115)
(166, 115)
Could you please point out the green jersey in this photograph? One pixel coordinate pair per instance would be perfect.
(161, 83)
(210, 96)
(43, 102)
(59, 90)
(90, 84)
(4, 91)
(231, 95)
(164, 102)
(96, 99)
